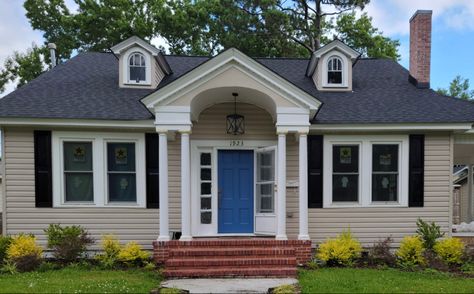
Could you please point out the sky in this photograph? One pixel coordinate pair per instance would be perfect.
(452, 37)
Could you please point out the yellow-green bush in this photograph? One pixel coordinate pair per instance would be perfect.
(132, 254)
(342, 250)
(450, 250)
(111, 248)
(24, 252)
(411, 251)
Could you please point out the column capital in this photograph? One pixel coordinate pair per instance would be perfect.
(161, 130)
(303, 133)
(282, 132)
(185, 132)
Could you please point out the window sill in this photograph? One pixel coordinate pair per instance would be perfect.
(92, 205)
(335, 86)
(128, 83)
(378, 205)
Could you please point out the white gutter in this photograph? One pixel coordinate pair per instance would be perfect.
(461, 127)
(123, 124)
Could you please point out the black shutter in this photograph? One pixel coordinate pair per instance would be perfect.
(43, 169)
(152, 171)
(416, 171)
(315, 171)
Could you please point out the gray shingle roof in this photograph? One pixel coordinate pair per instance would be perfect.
(86, 87)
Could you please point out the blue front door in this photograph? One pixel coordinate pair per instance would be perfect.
(235, 188)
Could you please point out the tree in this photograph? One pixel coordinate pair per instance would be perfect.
(458, 88)
(23, 67)
(261, 28)
(363, 37)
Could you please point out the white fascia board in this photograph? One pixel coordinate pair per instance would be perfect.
(124, 45)
(339, 45)
(195, 77)
(462, 127)
(123, 124)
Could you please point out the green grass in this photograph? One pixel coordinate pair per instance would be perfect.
(347, 280)
(78, 280)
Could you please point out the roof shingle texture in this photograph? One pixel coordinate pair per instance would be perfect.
(87, 87)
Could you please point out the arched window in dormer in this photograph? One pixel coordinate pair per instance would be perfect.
(137, 68)
(335, 70)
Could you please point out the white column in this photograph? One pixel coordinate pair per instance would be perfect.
(281, 205)
(185, 188)
(303, 189)
(163, 169)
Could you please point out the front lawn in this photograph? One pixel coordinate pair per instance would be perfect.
(80, 280)
(349, 280)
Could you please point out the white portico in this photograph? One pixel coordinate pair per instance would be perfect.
(221, 167)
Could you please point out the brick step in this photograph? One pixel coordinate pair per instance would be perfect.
(232, 251)
(229, 261)
(231, 272)
(262, 242)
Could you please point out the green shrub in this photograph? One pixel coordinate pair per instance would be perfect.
(411, 251)
(24, 252)
(133, 255)
(380, 253)
(69, 243)
(4, 243)
(8, 267)
(428, 232)
(451, 250)
(343, 250)
(111, 248)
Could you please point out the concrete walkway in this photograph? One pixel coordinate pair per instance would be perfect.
(227, 285)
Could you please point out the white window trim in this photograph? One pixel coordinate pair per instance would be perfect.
(365, 169)
(126, 71)
(345, 70)
(99, 165)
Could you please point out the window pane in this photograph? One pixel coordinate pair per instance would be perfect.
(205, 158)
(79, 187)
(345, 188)
(266, 204)
(122, 187)
(334, 77)
(206, 174)
(78, 156)
(206, 203)
(265, 166)
(385, 158)
(345, 159)
(384, 187)
(137, 73)
(206, 217)
(205, 188)
(121, 156)
(265, 197)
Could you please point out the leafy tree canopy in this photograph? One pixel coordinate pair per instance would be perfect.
(263, 28)
(458, 88)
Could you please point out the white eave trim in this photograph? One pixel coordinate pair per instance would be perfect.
(122, 124)
(190, 80)
(461, 127)
(340, 46)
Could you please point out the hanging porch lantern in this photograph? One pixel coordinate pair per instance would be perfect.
(235, 122)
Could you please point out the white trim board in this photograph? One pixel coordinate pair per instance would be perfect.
(392, 127)
(87, 123)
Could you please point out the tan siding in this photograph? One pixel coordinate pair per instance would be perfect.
(372, 224)
(464, 203)
(212, 123)
(22, 215)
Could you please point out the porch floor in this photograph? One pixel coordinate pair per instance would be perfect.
(231, 257)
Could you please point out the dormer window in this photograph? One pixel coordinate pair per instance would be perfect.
(137, 68)
(334, 71)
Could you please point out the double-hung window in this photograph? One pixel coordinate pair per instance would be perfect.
(78, 172)
(98, 169)
(121, 172)
(370, 170)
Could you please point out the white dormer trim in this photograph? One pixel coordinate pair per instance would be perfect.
(134, 41)
(126, 71)
(345, 69)
(334, 45)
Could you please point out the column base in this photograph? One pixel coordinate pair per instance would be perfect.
(281, 237)
(163, 238)
(185, 238)
(303, 237)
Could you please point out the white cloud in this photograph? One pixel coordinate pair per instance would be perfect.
(392, 16)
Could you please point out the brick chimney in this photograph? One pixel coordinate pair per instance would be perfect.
(420, 48)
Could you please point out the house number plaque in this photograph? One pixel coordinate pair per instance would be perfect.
(236, 143)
